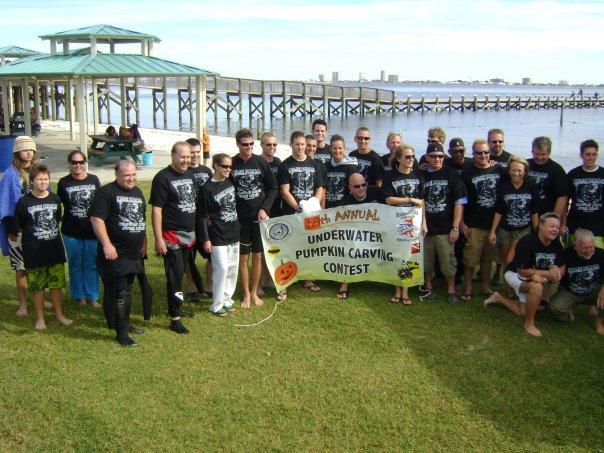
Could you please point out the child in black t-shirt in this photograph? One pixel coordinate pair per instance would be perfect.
(37, 215)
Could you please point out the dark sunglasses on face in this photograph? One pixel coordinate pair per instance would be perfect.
(481, 153)
(458, 151)
(78, 162)
(496, 141)
(272, 145)
(410, 156)
(360, 186)
(362, 138)
(224, 166)
(246, 144)
(436, 156)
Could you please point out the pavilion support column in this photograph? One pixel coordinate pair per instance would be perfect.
(123, 101)
(201, 105)
(5, 96)
(11, 101)
(95, 107)
(53, 101)
(26, 108)
(69, 108)
(82, 117)
(137, 109)
(190, 93)
(165, 94)
(108, 100)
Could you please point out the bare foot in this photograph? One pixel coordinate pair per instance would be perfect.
(492, 299)
(82, 302)
(48, 305)
(22, 310)
(600, 326)
(65, 321)
(257, 301)
(40, 324)
(592, 310)
(95, 304)
(532, 330)
(245, 303)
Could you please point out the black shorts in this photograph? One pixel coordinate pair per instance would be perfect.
(250, 239)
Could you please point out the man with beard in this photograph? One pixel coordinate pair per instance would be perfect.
(498, 154)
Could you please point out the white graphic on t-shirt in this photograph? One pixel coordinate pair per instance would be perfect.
(486, 189)
(201, 178)
(131, 214)
(79, 198)
(363, 166)
(247, 183)
(335, 186)
(544, 260)
(45, 225)
(538, 178)
(405, 187)
(226, 200)
(323, 157)
(186, 194)
(518, 215)
(436, 195)
(588, 194)
(302, 185)
(583, 279)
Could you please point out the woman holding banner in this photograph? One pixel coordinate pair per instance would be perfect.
(404, 186)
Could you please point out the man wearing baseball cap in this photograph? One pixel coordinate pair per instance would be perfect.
(457, 153)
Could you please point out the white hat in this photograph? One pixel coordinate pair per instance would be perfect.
(24, 143)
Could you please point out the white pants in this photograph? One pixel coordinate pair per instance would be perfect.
(225, 265)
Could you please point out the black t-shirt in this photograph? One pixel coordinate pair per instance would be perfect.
(583, 276)
(255, 186)
(482, 185)
(516, 205)
(532, 253)
(123, 212)
(450, 163)
(370, 166)
(586, 189)
(76, 196)
(374, 195)
(323, 155)
(303, 179)
(397, 184)
(336, 178)
(442, 189)
(551, 183)
(502, 159)
(217, 203)
(276, 207)
(39, 219)
(386, 162)
(202, 174)
(176, 194)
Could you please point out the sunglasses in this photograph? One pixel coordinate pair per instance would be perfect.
(458, 151)
(362, 138)
(272, 145)
(78, 162)
(225, 166)
(496, 141)
(481, 153)
(246, 144)
(360, 186)
(410, 156)
(435, 156)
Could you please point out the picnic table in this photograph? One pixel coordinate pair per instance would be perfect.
(104, 146)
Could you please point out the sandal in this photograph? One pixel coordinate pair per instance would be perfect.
(466, 297)
(230, 309)
(312, 288)
(222, 313)
(281, 296)
(405, 301)
(342, 294)
(395, 300)
(452, 298)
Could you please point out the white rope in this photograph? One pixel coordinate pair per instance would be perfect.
(265, 319)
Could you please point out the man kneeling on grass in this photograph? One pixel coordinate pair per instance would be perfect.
(582, 282)
(538, 262)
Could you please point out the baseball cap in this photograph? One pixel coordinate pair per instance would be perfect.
(455, 142)
(434, 147)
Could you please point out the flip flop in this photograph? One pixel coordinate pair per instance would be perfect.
(466, 297)
(342, 294)
(395, 300)
(312, 288)
(405, 301)
(222, 313)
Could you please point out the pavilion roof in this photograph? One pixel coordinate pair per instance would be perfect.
(102, 33)
(17, 52)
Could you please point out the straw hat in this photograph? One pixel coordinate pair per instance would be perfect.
(24, 143)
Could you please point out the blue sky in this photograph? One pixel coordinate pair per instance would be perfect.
(436, 40)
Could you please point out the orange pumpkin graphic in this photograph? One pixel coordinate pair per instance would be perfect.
(285, 272)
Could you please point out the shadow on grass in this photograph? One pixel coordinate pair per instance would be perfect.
(532, 389)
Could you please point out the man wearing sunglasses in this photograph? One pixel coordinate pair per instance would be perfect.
(457, 156)
(360, 192)
(497, 153)
(369, 162)
(255, 190)
(482, 183)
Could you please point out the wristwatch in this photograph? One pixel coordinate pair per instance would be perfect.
(455, 227)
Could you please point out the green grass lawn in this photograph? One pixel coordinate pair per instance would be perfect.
(322, 374)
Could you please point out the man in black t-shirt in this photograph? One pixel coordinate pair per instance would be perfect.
(319, 131)
(117, 214)
(255, 190)
(498, 154)
(173, 197)
(549, 177)
(369, 162)
(457, 152)
(583, 280)
(360, 192)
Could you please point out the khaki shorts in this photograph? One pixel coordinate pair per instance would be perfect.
(439, 246)
(40, 278)
(505, 237)
(478, 249)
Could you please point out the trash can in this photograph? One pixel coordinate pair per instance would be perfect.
(6, 151)
(147, 158)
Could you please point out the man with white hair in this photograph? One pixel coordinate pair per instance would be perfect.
(582, 282)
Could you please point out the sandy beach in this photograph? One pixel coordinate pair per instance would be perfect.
(54, 144)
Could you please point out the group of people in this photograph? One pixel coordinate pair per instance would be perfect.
(490, 208)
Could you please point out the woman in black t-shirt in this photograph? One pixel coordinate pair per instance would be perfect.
(76, 191)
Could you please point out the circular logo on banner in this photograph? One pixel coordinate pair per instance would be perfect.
(279, 231)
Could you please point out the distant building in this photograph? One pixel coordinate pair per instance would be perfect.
(363, 77)
(321, 77)
(563, 83)
(527, 81)
(382, 76)
(393, 78)
(335, 76)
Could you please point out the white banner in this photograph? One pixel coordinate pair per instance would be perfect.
(367, 242)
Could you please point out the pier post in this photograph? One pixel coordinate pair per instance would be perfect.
(475, 103)
(561, 112)
(304, 100)
(436, 108)
(262, 105)
(450, 103)
(325, 102)
(422, 103)
(408, 105)
(377, 102)
(240, 100)
(463, 103)
(393, 102)
(343, 106)
(284, 96)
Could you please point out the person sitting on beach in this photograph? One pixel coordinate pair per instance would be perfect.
(498, 154)
(337, 172)
(583, 280)
(319, 131)
(549, 177)
(538, 262)
(369, 162)
(300, 178)
(37, 217)
(404, 186)
(393, 140)
(586, 194)
(457, 155)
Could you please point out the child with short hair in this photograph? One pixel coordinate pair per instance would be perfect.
(37, 215)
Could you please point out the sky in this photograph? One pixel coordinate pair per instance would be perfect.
(547, 41)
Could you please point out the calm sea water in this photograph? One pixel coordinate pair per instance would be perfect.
(520, 126)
